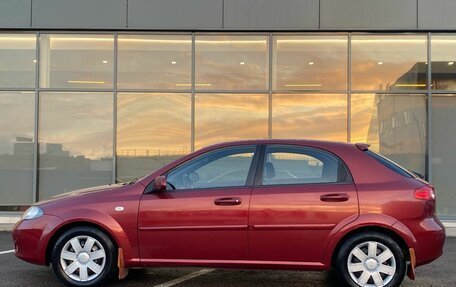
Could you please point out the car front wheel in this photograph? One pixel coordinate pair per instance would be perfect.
(83, 256)
(371, 259)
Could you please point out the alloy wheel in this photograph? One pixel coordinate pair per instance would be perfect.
(83, 258)
(371, 264)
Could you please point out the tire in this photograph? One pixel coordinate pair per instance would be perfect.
(386, 268)
(80, 266)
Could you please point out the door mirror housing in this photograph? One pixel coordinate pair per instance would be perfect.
(159, 183)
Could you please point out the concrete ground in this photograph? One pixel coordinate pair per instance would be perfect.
(14, 272)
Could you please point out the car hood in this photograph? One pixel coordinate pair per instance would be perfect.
(84, 191)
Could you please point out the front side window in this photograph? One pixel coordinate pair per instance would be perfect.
(302, 165)
(222, 168)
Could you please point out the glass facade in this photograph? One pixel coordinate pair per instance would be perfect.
(152, 129)
(81, 109)
(389, 62)
(231, 62)
(154, 62)
(17, 60)
(443, 161)
(222, 117)
(314, 116)
(76, 61)
(310, 62)
(394, 125)
(17, 117)
(75, 141)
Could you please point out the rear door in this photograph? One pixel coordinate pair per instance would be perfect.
(300, 195)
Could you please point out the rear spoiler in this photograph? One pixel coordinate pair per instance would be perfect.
(362, 146)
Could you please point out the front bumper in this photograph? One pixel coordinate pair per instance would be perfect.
(31, 238)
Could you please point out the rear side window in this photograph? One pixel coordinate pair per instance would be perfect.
(302, 165)
(389, 164)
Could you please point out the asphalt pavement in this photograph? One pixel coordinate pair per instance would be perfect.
(15, 272)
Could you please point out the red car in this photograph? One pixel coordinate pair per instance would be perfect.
(270, 204)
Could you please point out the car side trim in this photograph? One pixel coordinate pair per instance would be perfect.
(210, 227)
(294, 226)
(297, 265)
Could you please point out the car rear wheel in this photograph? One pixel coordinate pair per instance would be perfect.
(84, 256)
(371, 259)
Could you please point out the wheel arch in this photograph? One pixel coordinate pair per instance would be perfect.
(81, 223)
(381, 229)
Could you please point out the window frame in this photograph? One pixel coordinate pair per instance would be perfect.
(260, 166)
(250, 175)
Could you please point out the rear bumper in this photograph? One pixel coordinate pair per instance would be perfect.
(429, 236)
(31, 238)
(430, 241)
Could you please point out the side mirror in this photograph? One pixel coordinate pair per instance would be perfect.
(159, 184)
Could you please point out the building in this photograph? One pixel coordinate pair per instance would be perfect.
(98, 91)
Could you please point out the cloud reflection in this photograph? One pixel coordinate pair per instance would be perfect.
(310, 116)
(81, 122)
(223, 117)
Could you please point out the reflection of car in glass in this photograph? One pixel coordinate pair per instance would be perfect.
(272, 204)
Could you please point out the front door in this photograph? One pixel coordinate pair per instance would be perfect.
(204, 211)
(300, 195)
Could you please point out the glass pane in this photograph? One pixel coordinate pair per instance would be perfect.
(299, 166)
(394, 125)
(231, 62)
(76, 61)
(152, 130)
(310, 116)
(17, 60)
(223, 168)
(443, 62)
(227, 117)
(443, 155)
(310, 63)
(154, 62)
(17, 110)
(75, 138)
(392, 62)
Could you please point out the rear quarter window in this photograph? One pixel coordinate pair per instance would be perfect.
(389, 164)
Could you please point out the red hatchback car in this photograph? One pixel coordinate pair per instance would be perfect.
(270, 204)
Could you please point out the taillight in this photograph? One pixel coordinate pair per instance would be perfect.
(425, 193)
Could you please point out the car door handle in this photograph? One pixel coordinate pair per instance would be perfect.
(225, 201)
(334, 197)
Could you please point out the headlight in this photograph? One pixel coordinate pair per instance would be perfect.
(32, 213)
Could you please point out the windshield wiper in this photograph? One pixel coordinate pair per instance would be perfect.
(129, 182)
(133, 180)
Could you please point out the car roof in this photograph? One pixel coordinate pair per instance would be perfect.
(321, 143)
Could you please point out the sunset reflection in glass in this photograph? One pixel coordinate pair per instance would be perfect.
(153, 129)
(443, 49)
(389, 62)
(228, 117)
(75, 141)
(394, 125)
(154, 62)
(310, 62)
(238, 62)
(310, 116)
